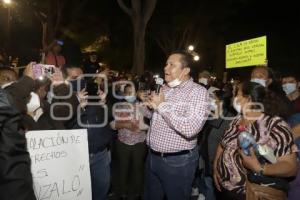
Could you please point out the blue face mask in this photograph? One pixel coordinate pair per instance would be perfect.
(130, 99)
(289, 88)
(76, 86)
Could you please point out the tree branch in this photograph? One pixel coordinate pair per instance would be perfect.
(124, 7)
(149, 9)
(162, 45)
(166, 42)
(79, 6)
(44, 36)
(184, 37)
(58, 16)
(136, 8)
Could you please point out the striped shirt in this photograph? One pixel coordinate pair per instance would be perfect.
(177, 121)
(272, 131)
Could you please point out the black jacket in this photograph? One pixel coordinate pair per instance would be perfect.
(99, 137)
(19, 92)
(65, 107)
(15, 175)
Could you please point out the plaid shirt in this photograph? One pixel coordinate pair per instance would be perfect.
(177, 122)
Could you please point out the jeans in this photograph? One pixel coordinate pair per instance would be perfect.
(207, 188)
(100, 174)
(131, 159)
(205, 182)
(171, 176)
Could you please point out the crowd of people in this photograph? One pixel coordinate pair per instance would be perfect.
(177, 140)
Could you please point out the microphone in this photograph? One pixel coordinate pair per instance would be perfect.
(246, 140)
(158, 83)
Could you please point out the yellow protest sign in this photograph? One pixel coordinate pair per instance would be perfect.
(247, 53)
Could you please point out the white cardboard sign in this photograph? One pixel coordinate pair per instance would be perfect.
(60, 164)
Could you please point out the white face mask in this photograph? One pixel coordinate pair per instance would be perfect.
(174, 83)
(289, 88)
(34, 102)
(236, 105)
(259, 81)
(204, 81)
(38, 114)
(130, 99)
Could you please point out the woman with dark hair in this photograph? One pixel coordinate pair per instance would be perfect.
(211, 135)
(257, 117)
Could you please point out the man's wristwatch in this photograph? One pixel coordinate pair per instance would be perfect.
(262, 169)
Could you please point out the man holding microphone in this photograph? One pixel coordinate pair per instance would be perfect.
(178, 113)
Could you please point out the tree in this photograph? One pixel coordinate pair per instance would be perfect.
(170, 40)
(49, 14)
(199, 23)
(140, 14)
(52, 15)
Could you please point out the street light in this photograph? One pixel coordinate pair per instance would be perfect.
(191, 48)
(195, 55)
(7, 2)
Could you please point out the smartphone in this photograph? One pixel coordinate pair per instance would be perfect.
(41, 70)
(92, 87)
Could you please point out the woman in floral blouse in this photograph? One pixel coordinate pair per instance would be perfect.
(257, 116)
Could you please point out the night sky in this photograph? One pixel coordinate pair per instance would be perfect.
(215, 24)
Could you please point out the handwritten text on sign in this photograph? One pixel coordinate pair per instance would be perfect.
(60, 164)
(247, 53)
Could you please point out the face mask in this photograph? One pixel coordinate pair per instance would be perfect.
(38, 114)
(75, 86)
(174, 83)
(237, 106)
(289, 88)
(130, 99)
(34, 102)
(203, 81)
(259, 81)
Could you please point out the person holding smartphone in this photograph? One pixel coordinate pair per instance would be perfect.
(53, 56)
